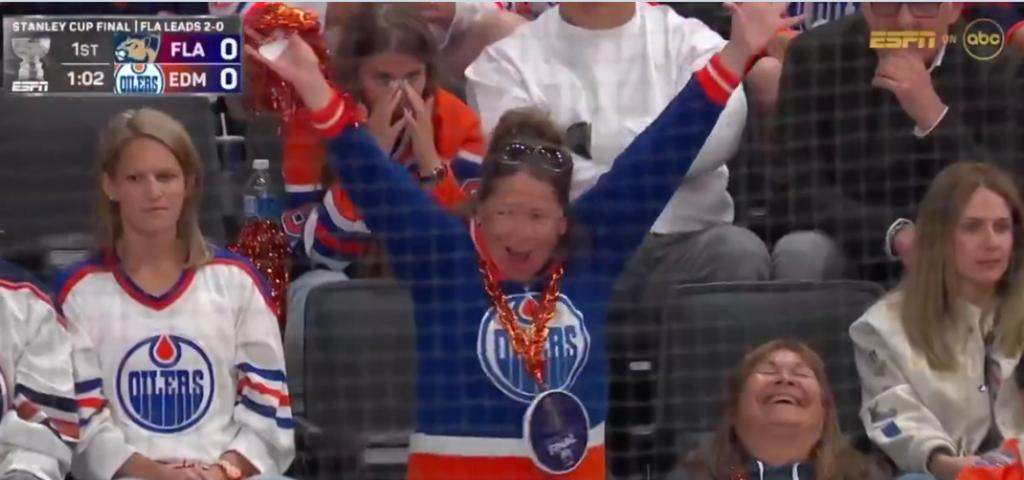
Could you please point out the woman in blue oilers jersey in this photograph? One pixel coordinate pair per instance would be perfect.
(511, 370)
(179, 368)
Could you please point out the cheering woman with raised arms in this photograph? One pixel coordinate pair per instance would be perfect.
(511, 370)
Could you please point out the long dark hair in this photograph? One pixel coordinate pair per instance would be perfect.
(375, 28)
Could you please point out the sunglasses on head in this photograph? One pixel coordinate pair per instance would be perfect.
(552, 158)
(917, 9)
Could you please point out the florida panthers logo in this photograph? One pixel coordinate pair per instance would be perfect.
(136, 48)
(165, 384)
(566, 352)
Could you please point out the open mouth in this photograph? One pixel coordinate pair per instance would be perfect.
(783, 400)
(517, 256)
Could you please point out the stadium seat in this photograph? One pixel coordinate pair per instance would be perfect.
(47, 177)
(355, 384)
(706, 329)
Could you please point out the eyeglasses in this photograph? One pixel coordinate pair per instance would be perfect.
(517, 153)
(917, 9)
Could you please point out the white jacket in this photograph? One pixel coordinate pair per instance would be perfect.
(908, 409)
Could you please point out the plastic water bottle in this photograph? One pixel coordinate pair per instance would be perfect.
(260, 198)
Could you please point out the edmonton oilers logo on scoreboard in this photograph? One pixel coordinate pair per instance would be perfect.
(165, 384)
(566, 351)
(139, 78)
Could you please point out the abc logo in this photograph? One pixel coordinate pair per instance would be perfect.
(983, 39)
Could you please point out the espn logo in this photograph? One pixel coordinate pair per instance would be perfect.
(892, 39)
(23, 86)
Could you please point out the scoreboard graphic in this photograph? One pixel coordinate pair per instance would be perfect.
(121, 55)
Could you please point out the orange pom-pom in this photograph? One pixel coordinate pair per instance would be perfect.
(263, 243)
(265, 91)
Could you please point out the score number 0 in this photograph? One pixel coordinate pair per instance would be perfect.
(229, 53)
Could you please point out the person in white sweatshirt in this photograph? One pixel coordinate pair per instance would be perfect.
(604, 71)
(935, 356)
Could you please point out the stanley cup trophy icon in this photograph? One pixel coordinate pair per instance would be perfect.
(31, 52)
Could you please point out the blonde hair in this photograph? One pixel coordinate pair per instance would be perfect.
(832, 457)
(929, 290)
(158, 126)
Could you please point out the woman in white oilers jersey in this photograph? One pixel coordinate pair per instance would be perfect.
(178, 358)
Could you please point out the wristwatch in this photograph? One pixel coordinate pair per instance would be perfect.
(230, 470)
(434, 175)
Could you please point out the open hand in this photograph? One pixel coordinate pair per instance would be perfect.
(296, 63)
(420, 130)
(380, 122)
(754, 25)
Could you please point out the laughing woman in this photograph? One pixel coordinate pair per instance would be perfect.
(780, 423)
(493, 296)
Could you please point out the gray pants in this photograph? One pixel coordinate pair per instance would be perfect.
(725, 253)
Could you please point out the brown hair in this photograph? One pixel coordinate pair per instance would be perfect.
(375, 28)
(832, 457)
(931, 283)
(158, 126)
(532, 127)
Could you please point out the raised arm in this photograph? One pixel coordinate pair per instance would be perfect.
(416, 231)
(626, 201)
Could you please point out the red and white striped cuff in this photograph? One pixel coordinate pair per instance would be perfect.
(717, 80)
(341, 111)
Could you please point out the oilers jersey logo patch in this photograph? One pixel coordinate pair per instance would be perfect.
(566, 352)
(165, 384)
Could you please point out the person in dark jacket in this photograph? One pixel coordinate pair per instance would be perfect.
(861, 131)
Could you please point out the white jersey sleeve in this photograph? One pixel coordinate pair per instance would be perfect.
(266, 437)
(39, 426)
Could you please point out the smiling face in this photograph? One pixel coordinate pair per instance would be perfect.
(521, 223)
(781, 390)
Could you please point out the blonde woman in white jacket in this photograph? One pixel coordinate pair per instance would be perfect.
(934, 354)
